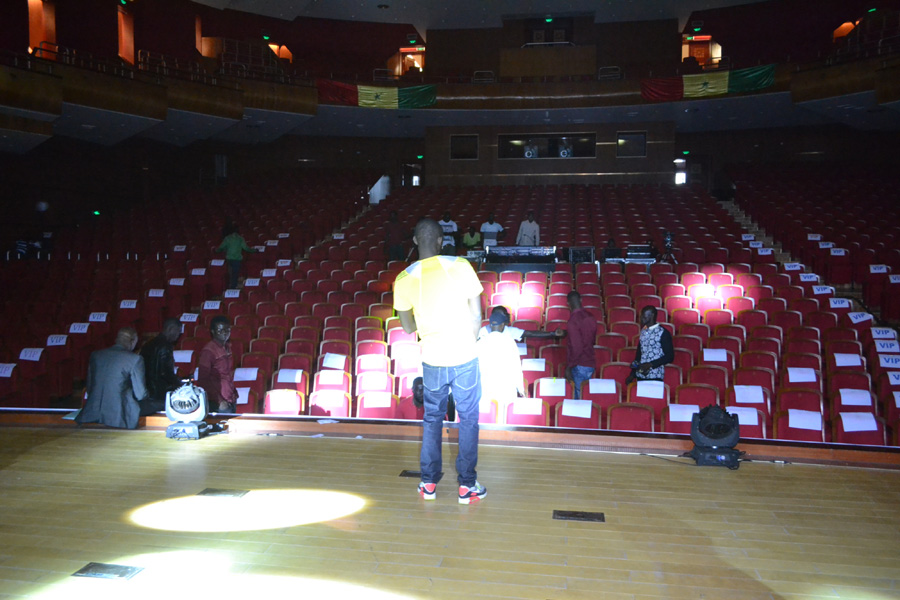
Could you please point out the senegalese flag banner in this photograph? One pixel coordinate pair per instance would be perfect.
(348, 94)
(713, 83)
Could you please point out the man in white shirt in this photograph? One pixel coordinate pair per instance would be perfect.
(491, 231)
(450, 233)
(517, 334)
(501, 367)
(529, 232)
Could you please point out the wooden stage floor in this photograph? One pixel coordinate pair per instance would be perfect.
(672, 530)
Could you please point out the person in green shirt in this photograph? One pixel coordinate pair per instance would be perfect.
(472, 239)
(234, 247)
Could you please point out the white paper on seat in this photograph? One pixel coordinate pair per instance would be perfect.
(337, 236)
(283, 236)
(808, 277)
(859, 317)
(371, 361)
(212, 305)
(749, 394)
(838, 303)
(6, 369)
(756, 244)
(243, 395)
(826, 245)
(31, 354)
(217, 262)
(682, 413)
(484, 406)
(374, 379)
(651, 389)
(764, 251)
(283, 262)
(552, 387)
(847, 360)
(334, 361)
(813, 237)
(534, 364)
(878, 269)
(188, 317)
(793, 267)
(883, 333)
(602, 386)
(128, 304)
(887, 347)
(331, 377)
(155, 293)
(715, 355)
(246, 374)
(79, 327)
(851, 397)
(251, 282)
(269, 272)
(894, 278)
(57, 340)
(747, 237)
(894, 378)
(801, 375)
(271, 243)
(259, 248)
(198, 272)
(232, 294)
(196, 373)
(859, 421)
(838, 252)
(330, 398)
(98, 317)
(528, 406)
(179, 248)
(580, 409)
(889, 361)
(183, 356)
(177, 281)
(523, 349)
(377, 399)
(290, 376)
(804, 419)
(819, 290)
(746, 415)
(897, 399)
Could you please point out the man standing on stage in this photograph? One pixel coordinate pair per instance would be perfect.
(580, 335)
(440, 297)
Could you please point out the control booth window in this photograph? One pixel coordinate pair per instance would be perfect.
(547, 145)
(631, 144)
(463, 147)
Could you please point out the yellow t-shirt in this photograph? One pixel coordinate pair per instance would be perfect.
(438, 290)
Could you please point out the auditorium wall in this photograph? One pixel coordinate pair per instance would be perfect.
(605, 167)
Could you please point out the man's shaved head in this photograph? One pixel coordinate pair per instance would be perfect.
(429, 237)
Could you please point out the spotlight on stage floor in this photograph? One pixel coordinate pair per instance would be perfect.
(253, 510)
(199, 574)
(715, 433)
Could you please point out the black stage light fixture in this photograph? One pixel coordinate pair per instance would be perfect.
(715, 434)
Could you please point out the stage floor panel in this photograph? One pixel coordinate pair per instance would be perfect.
(332, 518)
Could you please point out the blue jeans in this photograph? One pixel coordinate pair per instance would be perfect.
(234, 272)
(580, 375)
(465, 382)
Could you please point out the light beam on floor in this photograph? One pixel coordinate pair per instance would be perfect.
(258, 509)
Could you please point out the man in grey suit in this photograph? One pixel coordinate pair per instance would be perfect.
(115, 384)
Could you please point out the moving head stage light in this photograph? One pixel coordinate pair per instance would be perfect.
(186, 408)
(715, 433)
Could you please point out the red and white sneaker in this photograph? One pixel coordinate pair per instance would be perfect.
(471, 495)
(427, 490)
